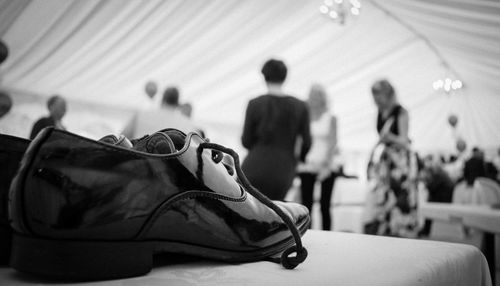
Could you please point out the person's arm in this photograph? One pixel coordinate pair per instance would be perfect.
(326, 170)
(403, 125)
(305, 134)
(332, 141)
(249, 128)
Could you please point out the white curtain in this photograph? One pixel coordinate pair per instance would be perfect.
(104, 51)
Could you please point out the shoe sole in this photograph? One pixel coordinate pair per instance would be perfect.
(100, 260)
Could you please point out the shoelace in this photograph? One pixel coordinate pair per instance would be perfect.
(288, 261)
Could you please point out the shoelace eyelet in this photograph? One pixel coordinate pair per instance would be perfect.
(217, 156)
(218, 151)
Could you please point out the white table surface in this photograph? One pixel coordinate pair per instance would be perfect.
(476, 216)
(334, 259)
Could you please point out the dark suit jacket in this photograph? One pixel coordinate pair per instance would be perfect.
(474, 168)
(41, 124)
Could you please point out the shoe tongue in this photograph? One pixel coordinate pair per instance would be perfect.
(158, 143)
(121, 141)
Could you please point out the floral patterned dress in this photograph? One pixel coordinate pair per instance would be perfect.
(392, 198)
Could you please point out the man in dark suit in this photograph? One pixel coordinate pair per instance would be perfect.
(475, 166)
(57, 109)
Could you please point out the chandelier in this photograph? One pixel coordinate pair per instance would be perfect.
(447, 84)
(339, 10)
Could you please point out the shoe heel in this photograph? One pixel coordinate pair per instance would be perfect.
(80, 260)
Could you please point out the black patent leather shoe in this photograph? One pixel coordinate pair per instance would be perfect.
(83, 209)
(11, 152)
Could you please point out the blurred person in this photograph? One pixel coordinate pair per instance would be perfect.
(168, 116)
(474, 167)
(276, 134)
(4, 51)
(4, 54)
(394, 190)
(496, 159)
(439, 187)
(57, 109)
(319, 166)
(392, 118)
(468, 190)
(5, 100)
(490, 170)
(496, 163)
(442, 159)
(455, 167)
(5, 107)
(5, 103)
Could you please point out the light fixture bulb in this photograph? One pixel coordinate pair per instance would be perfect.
(436, 85)
(439, 84)
(339, 11)
(328, 3)
(355, 3)
(447, 84)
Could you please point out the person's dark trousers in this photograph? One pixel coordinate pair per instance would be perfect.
(308, 181)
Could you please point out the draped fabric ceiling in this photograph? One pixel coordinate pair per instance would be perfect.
(102, 52)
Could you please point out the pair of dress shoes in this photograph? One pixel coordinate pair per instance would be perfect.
(85, 209)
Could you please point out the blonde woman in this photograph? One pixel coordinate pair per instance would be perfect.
(318, 166)
(394, 168)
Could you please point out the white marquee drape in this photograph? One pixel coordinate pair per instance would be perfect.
(104, 51)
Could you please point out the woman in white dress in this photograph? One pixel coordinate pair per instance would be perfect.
(318, 166)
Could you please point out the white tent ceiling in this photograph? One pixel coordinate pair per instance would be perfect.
(104, 52)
